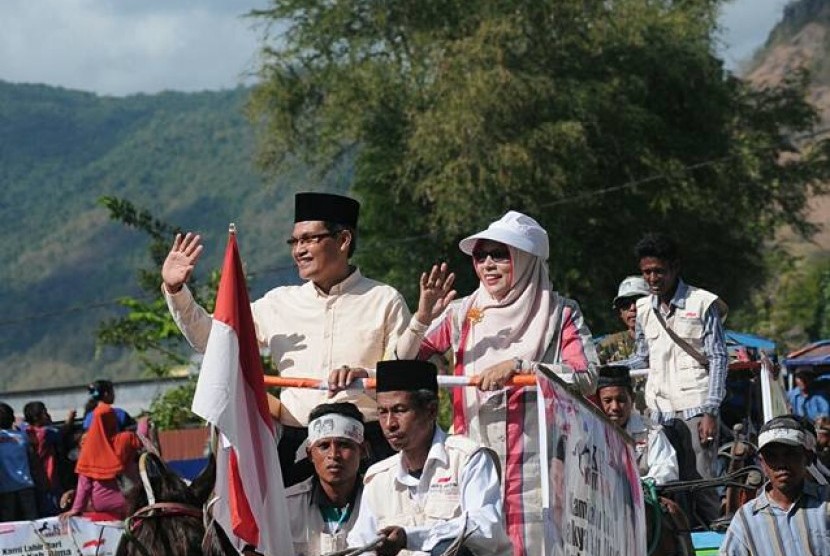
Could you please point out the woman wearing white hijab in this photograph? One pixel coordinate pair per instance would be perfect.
(513, 322)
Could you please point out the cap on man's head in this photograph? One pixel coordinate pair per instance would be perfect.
(632, 286)
(516, 230)
(326, 207)
(785, 429)
(406, 375)
(614, 375)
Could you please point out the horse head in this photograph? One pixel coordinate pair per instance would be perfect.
(166, 515)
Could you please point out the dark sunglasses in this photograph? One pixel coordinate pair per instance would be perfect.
(498, 255)
(626, 302)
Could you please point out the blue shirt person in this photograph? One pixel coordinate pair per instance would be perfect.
(804, 399)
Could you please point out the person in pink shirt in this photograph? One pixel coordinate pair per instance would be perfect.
(512, 324)
(106, 454)
(50, 444)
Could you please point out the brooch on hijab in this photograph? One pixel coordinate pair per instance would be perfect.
(475, 315)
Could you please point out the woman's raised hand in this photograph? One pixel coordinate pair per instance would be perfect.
(436, 293)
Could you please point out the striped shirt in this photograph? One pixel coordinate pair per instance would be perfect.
(760, 528)
(714, 348)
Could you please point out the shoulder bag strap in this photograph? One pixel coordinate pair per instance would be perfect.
(684, 345)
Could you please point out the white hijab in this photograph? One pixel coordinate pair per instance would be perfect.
(521, 324)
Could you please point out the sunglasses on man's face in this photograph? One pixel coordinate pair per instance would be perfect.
(498, 255)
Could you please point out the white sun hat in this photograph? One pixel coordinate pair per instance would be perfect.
(632, 286)
(783, 430)
(515, 229)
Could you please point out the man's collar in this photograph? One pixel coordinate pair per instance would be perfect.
(437, 452)
(635, 424)
(678, 299)
(762, 501)
(343, 286)
(318, 495)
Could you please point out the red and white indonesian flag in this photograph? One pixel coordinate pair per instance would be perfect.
(230, 395)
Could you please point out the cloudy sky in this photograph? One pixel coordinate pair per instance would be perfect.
(119, 47)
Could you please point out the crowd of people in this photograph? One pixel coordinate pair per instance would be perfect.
(358, 465)
(339, 325)
(75, 468)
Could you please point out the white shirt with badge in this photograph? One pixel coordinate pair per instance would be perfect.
(477, 490)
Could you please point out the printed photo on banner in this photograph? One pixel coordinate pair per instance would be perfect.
(593, 502)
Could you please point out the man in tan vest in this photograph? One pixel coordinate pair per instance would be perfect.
(437, 487)
(679, 338)
(656, 458)
(323, 508)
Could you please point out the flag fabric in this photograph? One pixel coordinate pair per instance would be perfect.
(230, 395)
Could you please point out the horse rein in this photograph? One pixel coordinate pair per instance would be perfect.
(154, 509)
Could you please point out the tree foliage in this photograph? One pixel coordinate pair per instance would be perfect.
(171, 410)
(603, 120)
(793, 307)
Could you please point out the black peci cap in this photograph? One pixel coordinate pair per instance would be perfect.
(406, 374)
(326, 207)
(614, 375)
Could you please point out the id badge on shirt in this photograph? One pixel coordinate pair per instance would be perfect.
(332, 543)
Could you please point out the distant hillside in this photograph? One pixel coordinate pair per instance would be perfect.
(188, 158)
(801, 39)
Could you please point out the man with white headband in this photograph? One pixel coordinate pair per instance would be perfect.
(791, 515)
(323, 508)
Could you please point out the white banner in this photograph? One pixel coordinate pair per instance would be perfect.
(50, 537)
(591, 486)
(773, 396)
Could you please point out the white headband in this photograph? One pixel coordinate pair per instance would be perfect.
(334, 425)
(790, 437)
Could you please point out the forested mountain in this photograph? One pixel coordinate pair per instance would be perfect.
(794, 304)
(187, 158)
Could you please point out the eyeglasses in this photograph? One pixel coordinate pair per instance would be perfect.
(498, 255)
(311, 239)
(626, 302)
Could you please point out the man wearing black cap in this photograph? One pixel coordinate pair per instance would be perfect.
(332, 327)
(656, 458)
(791, 515)
(437, 486)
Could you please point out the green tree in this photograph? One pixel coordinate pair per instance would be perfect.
(171, 410)
(793, 306)
(601, 119)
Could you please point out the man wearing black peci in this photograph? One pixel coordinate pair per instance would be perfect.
(334, 326)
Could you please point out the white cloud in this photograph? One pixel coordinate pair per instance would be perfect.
(121, 47)
(118, 47)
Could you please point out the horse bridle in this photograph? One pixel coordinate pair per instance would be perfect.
(154, 509)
